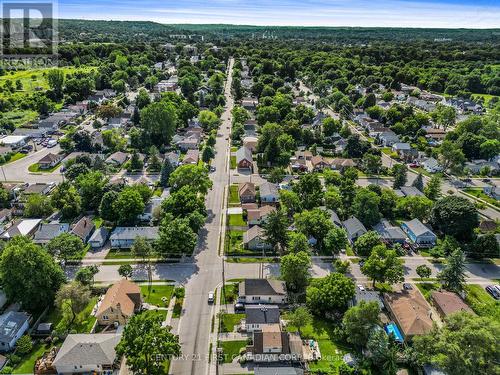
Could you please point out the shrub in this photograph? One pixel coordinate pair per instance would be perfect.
(24, 344)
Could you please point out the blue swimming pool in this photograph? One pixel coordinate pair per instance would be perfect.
(392, 329)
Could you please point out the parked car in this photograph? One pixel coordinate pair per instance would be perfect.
(494, 290)
(413, 165)
(239, 307)
(51, 143)
(487, 180)
(407, 286)
(211, 297)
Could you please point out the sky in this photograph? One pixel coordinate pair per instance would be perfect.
(383, 13)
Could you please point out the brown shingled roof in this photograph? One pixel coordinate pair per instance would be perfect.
(125, 293)
(449, 303)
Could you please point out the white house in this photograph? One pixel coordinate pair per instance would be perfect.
(124, 237)
(13, 324)
(256, 291)
(258, 316)
(431, 165)
(98, 238)
(269, 193)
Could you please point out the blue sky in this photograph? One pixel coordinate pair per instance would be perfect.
(402, 13)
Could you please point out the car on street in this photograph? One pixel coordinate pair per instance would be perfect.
(407, 286)
(487, 180)
(211, 297)
(413, 165)
(494, 290)
(51, 143)
(361, 287)
(212, 169)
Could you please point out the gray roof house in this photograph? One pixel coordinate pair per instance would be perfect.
(99, 238)
(367, 296)
(118, 158)
(124, 237)
(244, 158)
(418, 233)
(83, 228)
(389, 233)
(257, 291)
(88, 353)
(48, 231)
(411, 191)
(258, 316)
(269, 193)
(354, 228)
(254, 239)
(13, 324)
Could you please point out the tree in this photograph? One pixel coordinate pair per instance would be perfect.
(21, 264)
(38, 205)
(106, 207)
(159, 120)
(453, 274)
(85, 275)
(359, 322)
(125, 270)
(195, 176)
(451, 156)
(315, 223)
(366, 242)
(208, 120)
(297, 242)
(433, 188)
(309, 190)
(383, 265)
(72, 299)
(207, 154)
(142, 249)
(55, 78)
(91, 188)
(455, 216)
(128, 205)
(365, 207)
(423, 271)
(24, 345)
(444, 115)
(65, 198)
(329, 294)
(331, 126)
(136, 164)
(372, 163)
(65, 246)
(176, 237)
(290, 202)
(336, 240)
(399, 172)
(299, 318)
(276, 175)
(384, 352)
(340, 266)
(276, 229)
(142, 99)
(107, 111)
(485, 246)
(146, 344)
(184, 202)
(333, 199)
(413, 207)
(419, 182)
(465, 344)
(295, 270)
(166, 171)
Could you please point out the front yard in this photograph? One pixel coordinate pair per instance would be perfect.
(481, 302)
(233, 162)
(231, 349)
(229, 293)
(157, 292)
(229, 321)
(478, 193)
(234, 197)
(35, 168)
(236, 220)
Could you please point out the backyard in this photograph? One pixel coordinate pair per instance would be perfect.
(236, 220)
(481, 302)
(234, 198)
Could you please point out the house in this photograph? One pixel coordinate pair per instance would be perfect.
(244, 158)
(124, 237)
(120, 302)
(13, 325)
(404, 150)
(411, 191)
(410, 311)
(22, 227)
(250, 104)
(389, 233)
(50, 160)
(303, 155)
(247, 192)
(268, 193)
(431, 165)
(83, 228)
(319, 163)
(47, 231)
(419, 234)
(190, 142)
(250, 143)
(435, 133)
(258, 291)
(98, 238)
(272, 345)
(85, 353)
(448, 303)
(492, 191)
(258, 316)
(254, 239)
(39, 188)
(341, 164)
(5, 215)
(258, 216)
(366, 296)
(387, 139)
(475, 166)
(191, 157)
(117, 159)
(14, 141)
(151, 209)
(354, 228)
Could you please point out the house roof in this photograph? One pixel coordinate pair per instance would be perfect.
(417, 227)
(120, 294)
(21, 228)
(117, 157)
(252, 233)
(449, 302)
(353, 225)
(37, 188)
(270, 339)
(50, 158)
(11, 323)
(130, 233)
(266, 287)
(411, 191)
(260, 314)
(83, 228)
(343, 163)
(268, 188)
(191, 156)
(411, 310)
(100, 234)
(401, 146)
(88, 349)
(244, 153)
(48, 231)
(246, 188)
(388, 231)
(315, 160)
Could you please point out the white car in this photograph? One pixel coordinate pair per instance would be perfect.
(361, 287)
(210, 297)
(51, 143)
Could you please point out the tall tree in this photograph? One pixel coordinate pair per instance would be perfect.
(65, 246)
(276, 230)
(195, 176)
(433, 188)
(359, 321)
(455, 216)
(159, 120)
(72, 298)
(399, 172)
(419, 182)
(329, 294)
(299, 318)
(453, 274)
(384, 265)
(295, 270)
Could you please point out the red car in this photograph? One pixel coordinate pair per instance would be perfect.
(413, 165)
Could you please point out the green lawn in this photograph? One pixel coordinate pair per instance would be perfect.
(97, 221)
(178, 308)
(234, 242)
(20, 117)
(119, 254)
(230, 293)
(157, 292)
(14, 157)
(83, 323)
(35, 168)
(427, 288)
(229, 321)
(332, 351)
(231, 349)
(27, 364)
(161, 313)
(234, 197)
(233, 162)
(236, 220)
(478, 193)
(481, 302)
